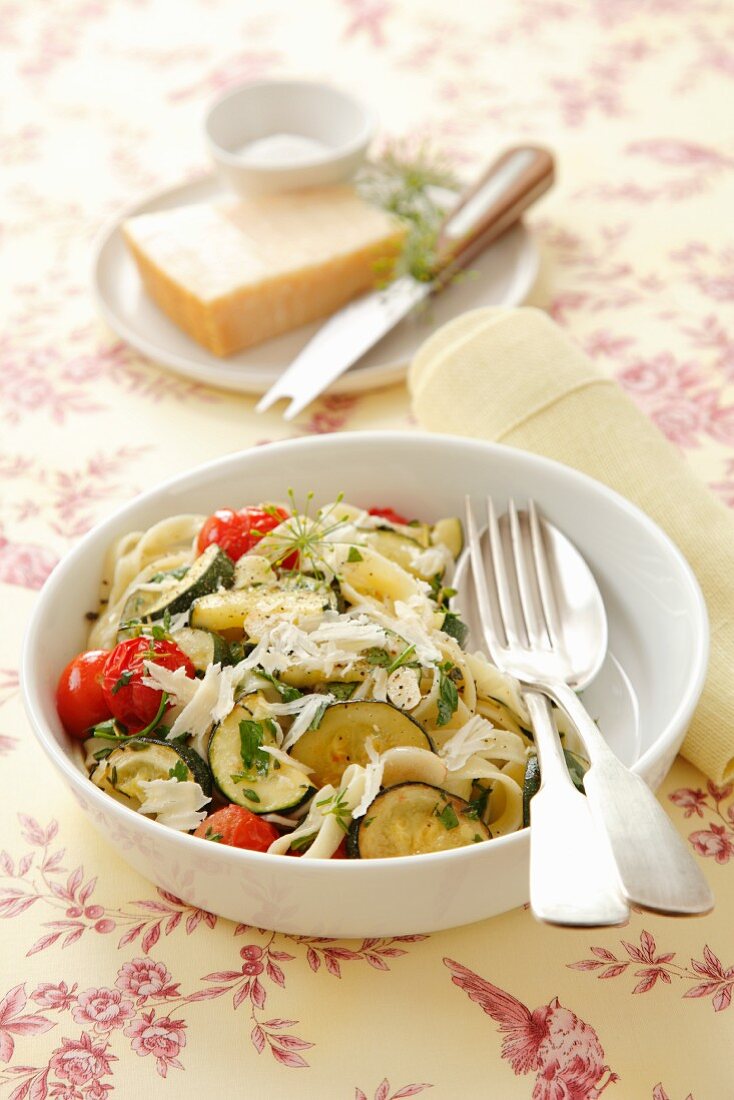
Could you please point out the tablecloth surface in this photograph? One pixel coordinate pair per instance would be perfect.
(107, 985)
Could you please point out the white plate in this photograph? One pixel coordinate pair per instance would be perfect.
(503, 276)
(657, 630)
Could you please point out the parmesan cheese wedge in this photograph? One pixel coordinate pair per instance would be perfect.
(239, 272)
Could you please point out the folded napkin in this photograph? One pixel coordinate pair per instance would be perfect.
(512, 376)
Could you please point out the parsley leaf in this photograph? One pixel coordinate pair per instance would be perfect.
(216, 837)
(180, 772)
(339, 690)
(287, 693)
(251, 738)
(376, 656)
(124, 680)
(448, 696)
(354, 554)
(447, 816)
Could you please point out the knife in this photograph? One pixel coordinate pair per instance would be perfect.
(488, 209)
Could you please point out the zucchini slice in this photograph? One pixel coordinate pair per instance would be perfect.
(413, 818)
(450, 533)
(399, 548)
(247, 775)
(342, 735)
(225, 612)
(144, 758)
(202, 647)
(530, 787)
(212, 570)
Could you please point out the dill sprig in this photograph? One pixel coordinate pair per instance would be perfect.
(303, 536)
(404, 183)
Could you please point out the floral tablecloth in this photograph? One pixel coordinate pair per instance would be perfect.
(108, 985)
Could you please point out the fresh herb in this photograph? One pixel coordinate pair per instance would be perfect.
(367, 822)
(316, 720)
(108, 731)
(477, 807)
(159, 714)
(354, 554)
(447, 816)
(102, 754)
(124, 680)
(448, 696)
(252, 736)
(439, 594)
(340, 691)
(216, 837)
(300, 843)
(302, 536)
(287, 693)
(577, 767)
(338, 809)
(113, 777)
(455, 628)
(476, 838)
(403, 183)
(250, 795)
(180, 772)
(376, 656)
(403, 659)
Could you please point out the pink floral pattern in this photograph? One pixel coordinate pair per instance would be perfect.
(717, 840)
(717, 983)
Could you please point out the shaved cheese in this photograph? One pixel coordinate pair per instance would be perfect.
(174, 804)
(196, 718)
(372, 783)
(284, 758)
(178, 686)
(476, 736)
(433, 560)
(311, 705)
(379, 685)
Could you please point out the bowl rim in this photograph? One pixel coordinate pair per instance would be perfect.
(332, 155)
(30, 677)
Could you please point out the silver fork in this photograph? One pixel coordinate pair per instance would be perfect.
(572, 878)
(525, 638)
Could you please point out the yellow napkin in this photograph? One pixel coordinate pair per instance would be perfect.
(513, 376)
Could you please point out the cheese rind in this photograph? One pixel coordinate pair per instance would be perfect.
(234, 274)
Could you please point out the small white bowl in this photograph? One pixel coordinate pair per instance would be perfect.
(658, 633)
(303, 108)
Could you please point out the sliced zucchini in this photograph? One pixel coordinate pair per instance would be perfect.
(530, 787)
(225, 612)
(202, 647)
(401, 549)
(413, 818)
(211, 570)
(342, 735)
(449, 533)
(247, 775)
(144, 758)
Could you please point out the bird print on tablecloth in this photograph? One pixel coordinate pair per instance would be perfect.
(564, 1052)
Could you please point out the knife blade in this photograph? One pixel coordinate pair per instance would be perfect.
(491, 207)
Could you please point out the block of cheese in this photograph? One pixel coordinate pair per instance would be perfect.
(238, 272)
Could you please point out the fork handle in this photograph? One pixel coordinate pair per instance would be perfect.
(572, 878)
(655, 867)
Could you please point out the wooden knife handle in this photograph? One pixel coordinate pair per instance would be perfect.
(519, 177)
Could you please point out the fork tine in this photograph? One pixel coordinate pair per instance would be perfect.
(529, 596)
(545, 585)
(513, 628)
(491, 628)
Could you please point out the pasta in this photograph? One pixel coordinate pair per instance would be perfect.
(308, 680)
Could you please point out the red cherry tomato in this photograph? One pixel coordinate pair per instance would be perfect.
(239, 828)
(127, 698)
(80, 699)
(389, 515)
(237, 532)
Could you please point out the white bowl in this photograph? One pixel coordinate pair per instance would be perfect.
(657, 629)
(251, 112)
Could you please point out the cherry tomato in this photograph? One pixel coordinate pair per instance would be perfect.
(127, 698)
(239, 828)
(389, 515)
(80, 699)
(237, 532)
